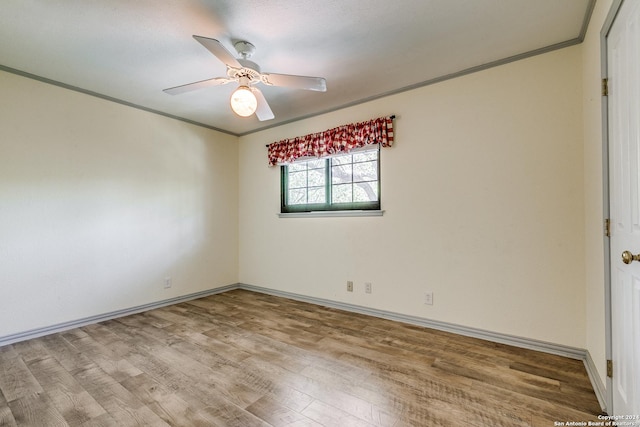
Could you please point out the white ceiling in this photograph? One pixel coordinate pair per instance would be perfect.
(129, 50)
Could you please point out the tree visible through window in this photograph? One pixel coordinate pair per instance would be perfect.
(345, 182)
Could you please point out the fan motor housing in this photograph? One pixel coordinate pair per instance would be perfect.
(249, 69)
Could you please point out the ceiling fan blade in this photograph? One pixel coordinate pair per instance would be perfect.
(263, 112)
(197, 85)
(298, 82)
(215, 47)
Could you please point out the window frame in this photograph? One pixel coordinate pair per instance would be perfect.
(328, 206)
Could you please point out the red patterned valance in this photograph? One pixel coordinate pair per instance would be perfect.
(341, 139)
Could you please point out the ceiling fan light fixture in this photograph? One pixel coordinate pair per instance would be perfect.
(247, 99)
(243, 101)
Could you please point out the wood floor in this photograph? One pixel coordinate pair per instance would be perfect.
(248, 359)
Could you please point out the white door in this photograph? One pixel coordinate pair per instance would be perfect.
(623, 63)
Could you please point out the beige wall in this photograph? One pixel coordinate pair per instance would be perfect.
(484, 202)
(99, 202)
(593, 184)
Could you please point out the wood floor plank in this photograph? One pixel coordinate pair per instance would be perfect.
(275, 351)
(16, 381)
(109, 361)
(70, 399)
(327, 415)
(169, 406)
(75, 408)
(123, 406)
(170, 379)
(69, 357)
(539, 408)
(231, 416)
(273, 412)
(104, 420)
(514, 383)
(6, 416)
(36, 410)
(246, 359)
(187, 376)
(30, 350)
(329, 392)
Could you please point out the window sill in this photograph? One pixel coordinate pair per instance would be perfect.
(321, 214)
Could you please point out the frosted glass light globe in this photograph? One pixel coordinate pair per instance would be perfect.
(243, 102)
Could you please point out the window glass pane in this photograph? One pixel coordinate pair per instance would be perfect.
(366, 156)
(298, 179)
(341, 160)
(354, 179)
(342, 193)
(297, 167)
(317, 195)
(316, 177)
(365, 192)
(367, 171)
(298, 196)
(341, 174)
(315, 164)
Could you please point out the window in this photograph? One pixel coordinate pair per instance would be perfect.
(344, 182)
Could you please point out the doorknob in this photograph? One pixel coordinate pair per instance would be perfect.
(628, 257)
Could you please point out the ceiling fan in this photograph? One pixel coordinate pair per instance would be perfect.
(247, 98)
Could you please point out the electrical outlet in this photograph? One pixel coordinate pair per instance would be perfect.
(349, 286)
(167, 282)
(428, 298)
(367, 287)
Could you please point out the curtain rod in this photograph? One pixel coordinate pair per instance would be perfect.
(393, 116)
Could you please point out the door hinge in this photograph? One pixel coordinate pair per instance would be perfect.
(605, 87)
(607, 227)
(610, 368)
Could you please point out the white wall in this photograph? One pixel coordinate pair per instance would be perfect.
(593, 184)
(483, 194)
(99, 202)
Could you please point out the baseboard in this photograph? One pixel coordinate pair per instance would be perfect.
(596, 382)
(60, 327)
